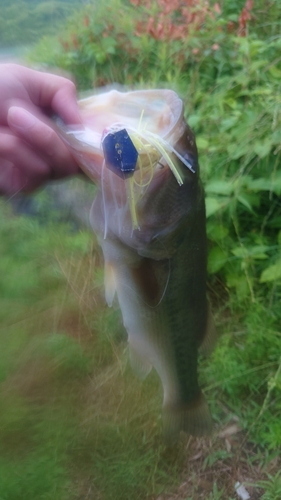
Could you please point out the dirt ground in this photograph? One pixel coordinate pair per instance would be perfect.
(215, 467)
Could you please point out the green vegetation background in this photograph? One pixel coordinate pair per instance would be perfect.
(74, 422)
(25, 21)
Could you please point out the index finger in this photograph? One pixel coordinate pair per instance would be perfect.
(56, 92)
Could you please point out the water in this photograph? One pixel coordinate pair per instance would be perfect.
(14, 54)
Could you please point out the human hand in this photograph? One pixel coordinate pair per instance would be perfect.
(31, 152)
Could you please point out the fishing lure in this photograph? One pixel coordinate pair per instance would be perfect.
(135, 153)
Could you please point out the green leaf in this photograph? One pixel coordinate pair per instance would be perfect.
(256, 252)
(276, 136)
(216, 259)
(243, 79)
(237, 150)
(244, 200)
(260, 184)
(257, 64)
(100, 57)
(228, 123)
(212, 206)
(271, 184)
(202, 143)
(271, 273)
(193, 120)
(260, 91)
(275, 72)
(232, 103)
(216, 232)
(109, 45)
(262, 149)
(240, 252)
(240, 283)
(219, 187)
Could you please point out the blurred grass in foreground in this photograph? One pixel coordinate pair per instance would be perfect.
(75, 423)
(71, 411)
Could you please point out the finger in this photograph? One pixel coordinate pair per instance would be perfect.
(44, 140)
(55, 92)
(12, 179)
(64, 103)
(16, 151)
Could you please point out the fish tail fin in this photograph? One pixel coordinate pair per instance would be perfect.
(194, 419)
(209, 341)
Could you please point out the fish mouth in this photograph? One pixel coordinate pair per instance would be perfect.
(127, 143)
(147, 116)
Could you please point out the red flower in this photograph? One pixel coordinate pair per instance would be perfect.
(244, 17)
(64, 44)
(74, 41)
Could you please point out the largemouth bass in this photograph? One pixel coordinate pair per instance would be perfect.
(149, 216)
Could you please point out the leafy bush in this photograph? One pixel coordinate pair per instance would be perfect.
(24, 22)
(226, 65)
(225, 62)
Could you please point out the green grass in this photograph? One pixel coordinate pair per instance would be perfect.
(71, 411)
(74, 419)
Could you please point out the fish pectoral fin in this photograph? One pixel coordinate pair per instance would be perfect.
(210, 337)
(109, 283)
(140, 366)
(151, 278)
(193, 418)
